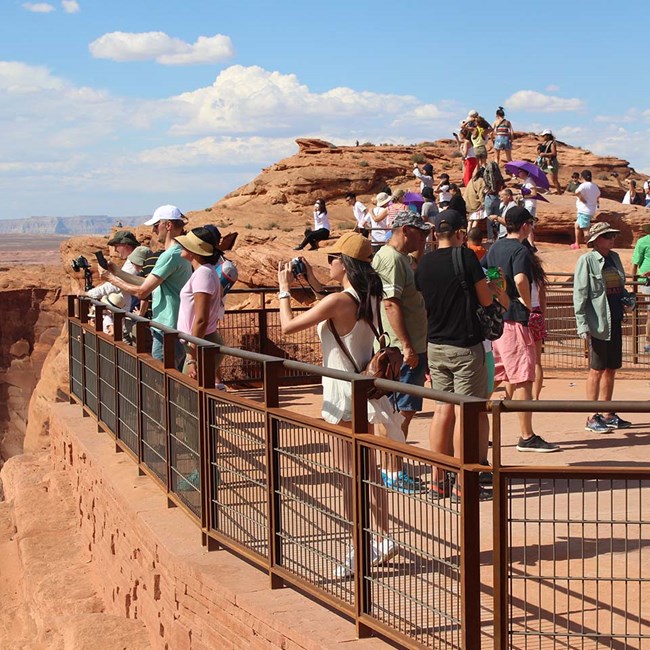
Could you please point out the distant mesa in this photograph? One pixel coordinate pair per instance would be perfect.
(80, 225)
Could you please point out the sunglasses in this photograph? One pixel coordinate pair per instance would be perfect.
(331, 258)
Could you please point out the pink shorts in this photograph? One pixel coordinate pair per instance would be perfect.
(514, 354)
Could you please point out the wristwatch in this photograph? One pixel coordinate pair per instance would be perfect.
(283, 294)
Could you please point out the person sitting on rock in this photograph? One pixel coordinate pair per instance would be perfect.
(633, 196)
(321, 229)
(573, 184)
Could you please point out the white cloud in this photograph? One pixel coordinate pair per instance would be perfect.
(552, 88)
(530, 100)
(38, 7)
(159, 47)
(70, 6)
(254, 100)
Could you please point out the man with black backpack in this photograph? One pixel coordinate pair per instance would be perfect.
(453, 285)
(514, 352)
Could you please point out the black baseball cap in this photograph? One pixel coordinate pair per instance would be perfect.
(518, 216)
(449, 221)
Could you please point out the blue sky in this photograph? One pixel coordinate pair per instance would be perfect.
(117, 107)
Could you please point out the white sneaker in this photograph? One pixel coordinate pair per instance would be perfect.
(346, 570)
(382, 551)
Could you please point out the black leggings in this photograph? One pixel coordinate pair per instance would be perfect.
(312, 237)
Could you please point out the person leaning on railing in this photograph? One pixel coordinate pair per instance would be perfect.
(349, 313)
(198, 314)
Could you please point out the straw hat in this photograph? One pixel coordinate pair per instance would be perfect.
(195, 244)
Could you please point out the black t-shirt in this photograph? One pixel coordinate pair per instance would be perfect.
(514, 258)
(457, 202)
(445, 298)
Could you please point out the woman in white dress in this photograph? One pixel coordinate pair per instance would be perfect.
(350, 313)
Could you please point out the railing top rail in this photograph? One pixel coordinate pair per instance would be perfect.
(572, 406)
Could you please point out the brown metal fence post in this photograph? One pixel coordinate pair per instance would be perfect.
(500, 529)
(470, 561)
(360, 505)
(272, 370)
(635, 327)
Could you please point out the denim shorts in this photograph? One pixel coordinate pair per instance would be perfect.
(415, 377)
(502, 143)
(583, 220)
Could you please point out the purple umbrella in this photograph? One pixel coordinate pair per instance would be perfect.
(531, 169)
(413, 198)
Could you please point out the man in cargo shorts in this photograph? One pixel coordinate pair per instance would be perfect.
(514, 352)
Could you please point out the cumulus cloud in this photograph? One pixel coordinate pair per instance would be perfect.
(252, 99)
(530, 100)
(70, 6)
(159, 47)
(39, 7)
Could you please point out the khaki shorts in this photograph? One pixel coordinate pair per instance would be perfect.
(458, 370)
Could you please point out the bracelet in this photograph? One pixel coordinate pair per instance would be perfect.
(283, 294)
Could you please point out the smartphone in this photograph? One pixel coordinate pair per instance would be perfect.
(101, 260)
(493, 272)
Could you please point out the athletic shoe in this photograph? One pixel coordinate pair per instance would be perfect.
(346, 570)
(615, 422)
(382, 551)
(485, 478)
(440, 489)
(575, 247)
(402, 483)
(483, 495)
(537, 444)
(597, 424)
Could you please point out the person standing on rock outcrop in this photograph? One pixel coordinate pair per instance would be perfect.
(549, 154)
(166, 280)
(424, 175)
(502, 131)
(360, 213)
(321, 229)
(587, 195)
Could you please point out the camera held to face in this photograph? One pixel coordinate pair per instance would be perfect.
(298, 267)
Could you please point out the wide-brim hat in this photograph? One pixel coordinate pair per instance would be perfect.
(115, 300)
(383, 199)
(139, 255)
(409, 218)
(165, 213)
(353, 245)
(195, 244)
(598, 229)
(123, 237)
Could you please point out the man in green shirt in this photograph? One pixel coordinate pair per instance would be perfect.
(166, 279)
(404, 318)
(641, 267)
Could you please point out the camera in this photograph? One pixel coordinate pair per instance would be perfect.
(80, 264)
(298, 267)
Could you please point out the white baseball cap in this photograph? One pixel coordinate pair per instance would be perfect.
(546, 132)
(165, 213)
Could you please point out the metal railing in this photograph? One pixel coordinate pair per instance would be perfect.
(294, 495)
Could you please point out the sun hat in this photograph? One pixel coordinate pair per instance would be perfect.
(546, 132)
(472, 113)
(518, 215)
(195, 244)
(449, 220)
(599, 229)
(408, 218)
(139, 255)
(383, 199)
(165, 213)
(114, 300)
(123, 237)
(353, 245)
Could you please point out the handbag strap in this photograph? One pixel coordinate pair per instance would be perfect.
(344, 349)
(459, 270)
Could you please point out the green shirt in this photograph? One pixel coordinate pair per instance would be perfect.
(641, 255)
(175, 272)
(398, 279)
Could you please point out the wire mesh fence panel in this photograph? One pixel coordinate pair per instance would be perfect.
(238, 474)
(315, 507)
(107, 390)
(578, 574)
(184, 444)
(76, 360)
(127, 400)
(153, 420)
(413, 532)
(241, 329)
(90, 373)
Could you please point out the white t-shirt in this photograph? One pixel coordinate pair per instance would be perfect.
(444, 194)
(321, 220)
(530, 204)
(360, 214)
(504, 209)
(379, 236)
(591, 194)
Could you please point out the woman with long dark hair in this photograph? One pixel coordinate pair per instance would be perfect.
(198, 314)
(321, 229)
(347, 314)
